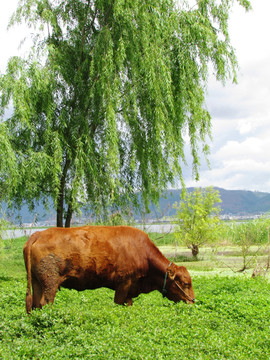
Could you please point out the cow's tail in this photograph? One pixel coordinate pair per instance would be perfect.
(27, 261)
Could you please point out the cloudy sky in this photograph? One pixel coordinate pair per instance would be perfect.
(240, 150)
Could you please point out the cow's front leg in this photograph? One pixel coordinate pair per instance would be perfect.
(121, 293)
(129, 301)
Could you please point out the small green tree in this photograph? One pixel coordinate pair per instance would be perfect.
(197, 218)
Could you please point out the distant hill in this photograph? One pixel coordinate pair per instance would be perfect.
(25, 216)
(243, 202)
(234, 202)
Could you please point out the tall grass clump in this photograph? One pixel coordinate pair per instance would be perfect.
(249, 233)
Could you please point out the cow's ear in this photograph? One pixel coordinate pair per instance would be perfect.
(171, 273)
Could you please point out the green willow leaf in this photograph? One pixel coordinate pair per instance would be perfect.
(107, 95)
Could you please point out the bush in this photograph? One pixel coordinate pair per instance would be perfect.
(250, 233)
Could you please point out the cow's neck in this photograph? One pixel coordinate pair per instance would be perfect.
(158, 265)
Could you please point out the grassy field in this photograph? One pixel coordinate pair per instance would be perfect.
(229, 321)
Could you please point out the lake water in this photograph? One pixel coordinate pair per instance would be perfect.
(159, 228)
(11, 234)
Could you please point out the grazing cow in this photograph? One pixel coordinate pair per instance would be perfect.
(121, 258)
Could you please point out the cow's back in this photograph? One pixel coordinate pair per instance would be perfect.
(119, 251)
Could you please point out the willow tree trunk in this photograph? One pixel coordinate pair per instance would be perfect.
(68, 216)
(61, 196)
(60, 211)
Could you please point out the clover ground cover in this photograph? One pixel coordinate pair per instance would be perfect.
(229, 321)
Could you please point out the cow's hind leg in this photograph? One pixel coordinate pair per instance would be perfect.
(48, 274)
(37, 293)
(49, 294)
(43, 295)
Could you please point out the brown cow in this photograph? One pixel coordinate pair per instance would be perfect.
(121, 258)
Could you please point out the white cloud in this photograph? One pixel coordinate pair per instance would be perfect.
(249, 31)
(14, 41)
(240, 157)
(249, 148)
(239, 165)
(246, 126)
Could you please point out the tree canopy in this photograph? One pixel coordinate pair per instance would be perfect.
(102, 104)
(197, 218)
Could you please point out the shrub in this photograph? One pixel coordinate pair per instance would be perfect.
(250, 233)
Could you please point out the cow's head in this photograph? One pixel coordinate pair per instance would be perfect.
(179, 284)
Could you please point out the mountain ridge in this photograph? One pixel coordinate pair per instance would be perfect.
(234, 203)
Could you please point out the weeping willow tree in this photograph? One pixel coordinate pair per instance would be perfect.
(109, 92)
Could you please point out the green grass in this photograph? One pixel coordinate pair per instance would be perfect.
(11, 258)
(229, 321)
(161, 239)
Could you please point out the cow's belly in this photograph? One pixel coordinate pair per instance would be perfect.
(81, 284)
